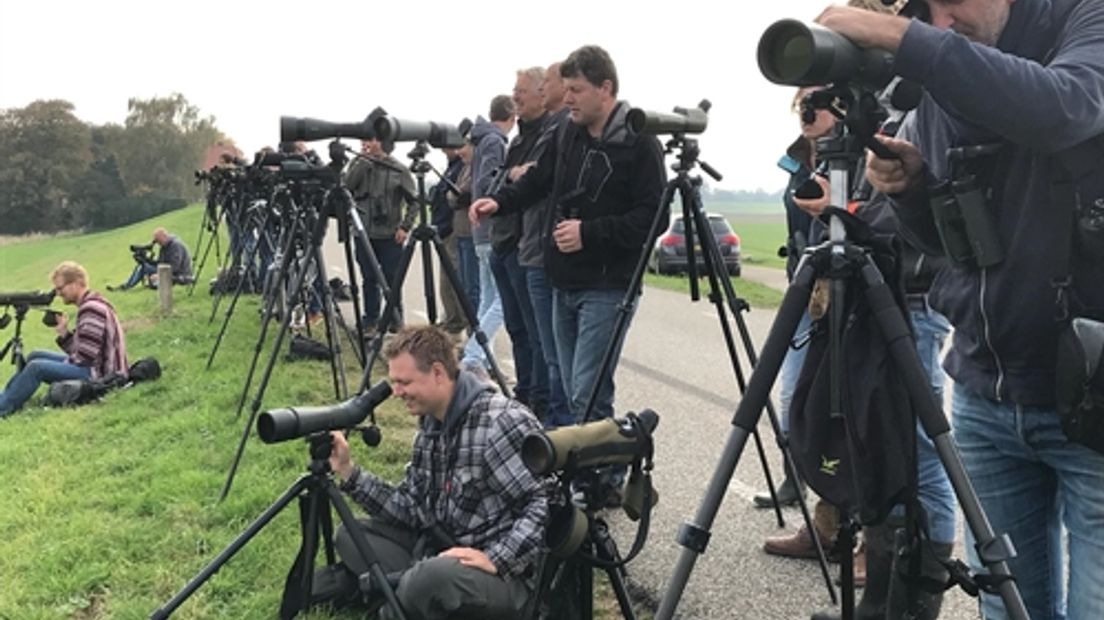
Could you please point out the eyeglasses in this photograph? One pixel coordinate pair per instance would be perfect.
(59, 287)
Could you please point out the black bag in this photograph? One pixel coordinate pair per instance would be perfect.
(303, 348)
(1080, 382)
(145, 369)
(861, 461)
(75, 392)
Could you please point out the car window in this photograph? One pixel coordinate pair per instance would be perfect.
(718, 225)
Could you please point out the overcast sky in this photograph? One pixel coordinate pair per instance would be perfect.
(248, 63)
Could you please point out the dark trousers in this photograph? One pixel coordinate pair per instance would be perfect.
(388, 254)
(433, 587)
(517, 313)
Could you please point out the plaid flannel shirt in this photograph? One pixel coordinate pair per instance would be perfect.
(471, 482)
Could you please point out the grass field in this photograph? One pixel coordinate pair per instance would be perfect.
(111, 508)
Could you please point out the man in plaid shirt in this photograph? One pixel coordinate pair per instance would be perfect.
(465, 479)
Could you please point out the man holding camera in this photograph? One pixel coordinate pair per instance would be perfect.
(173, 253)
(95, 349)
(381, 186)
(466, 483)
(1044, 60)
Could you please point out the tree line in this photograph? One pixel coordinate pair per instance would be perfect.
(58, 172)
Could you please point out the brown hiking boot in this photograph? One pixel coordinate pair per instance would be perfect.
(798, 545)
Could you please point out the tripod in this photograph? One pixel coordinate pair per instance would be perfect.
(426, 237)
(316, 493)
(335, 200)
(565, 590)
(15, 343)
(844, 264)
(721, 293)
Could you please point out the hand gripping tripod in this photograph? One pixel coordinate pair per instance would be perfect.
(844, 264)
(316, 493)
(425, 236)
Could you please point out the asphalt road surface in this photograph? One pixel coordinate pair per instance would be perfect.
(675, 362)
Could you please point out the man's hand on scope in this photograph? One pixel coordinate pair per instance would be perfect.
(893, 176)
(340, 461)
(400, 236)
(482, 208)
(471, 557)
(865, 28)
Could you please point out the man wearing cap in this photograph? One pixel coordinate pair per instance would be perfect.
(1044, 61)
(381, 185)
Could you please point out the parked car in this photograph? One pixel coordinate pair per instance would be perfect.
(669, 253)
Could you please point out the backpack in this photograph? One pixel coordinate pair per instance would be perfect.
(863, 460)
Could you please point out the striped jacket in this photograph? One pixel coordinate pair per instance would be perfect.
(97, 343)
(467, 477)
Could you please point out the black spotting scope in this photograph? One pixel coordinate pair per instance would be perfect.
(33, 298)
(794, 53)
(438, 135)
(684, 120)
(293, 129)
(603, 442)
(276, 425)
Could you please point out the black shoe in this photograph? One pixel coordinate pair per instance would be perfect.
(787, 493)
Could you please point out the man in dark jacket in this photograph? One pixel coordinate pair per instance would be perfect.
(1044, 60)
(383, 189)
(442, 215)
(506, 235)
(606, 183)
(465, 479)
(173, 253)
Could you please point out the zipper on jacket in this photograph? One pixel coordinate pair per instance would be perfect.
(988, 341)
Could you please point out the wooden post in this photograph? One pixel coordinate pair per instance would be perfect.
(164, 287)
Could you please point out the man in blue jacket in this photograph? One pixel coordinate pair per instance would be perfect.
(1028, 75)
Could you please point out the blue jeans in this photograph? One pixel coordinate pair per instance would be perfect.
(583, 322)
(517, 312)
(387, 254)
(490, 307)
(141, 270)
(540, 295)
(930, 330)
(42, 367)
(791, 370)
(468, 264)
(1031, 481)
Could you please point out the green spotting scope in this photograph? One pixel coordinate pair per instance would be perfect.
(604, 442)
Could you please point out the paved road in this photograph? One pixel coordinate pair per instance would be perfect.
(675, 362)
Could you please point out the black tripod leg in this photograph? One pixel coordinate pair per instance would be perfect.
(994, 551)
(255, 406)
(694, 536)
(448, 270)
(364, 549)
(256, 526)
(270, 302)
(605, 548)
(427, 280)
(203, 259)
(337, 366)
(385, 317)
(354, 292)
